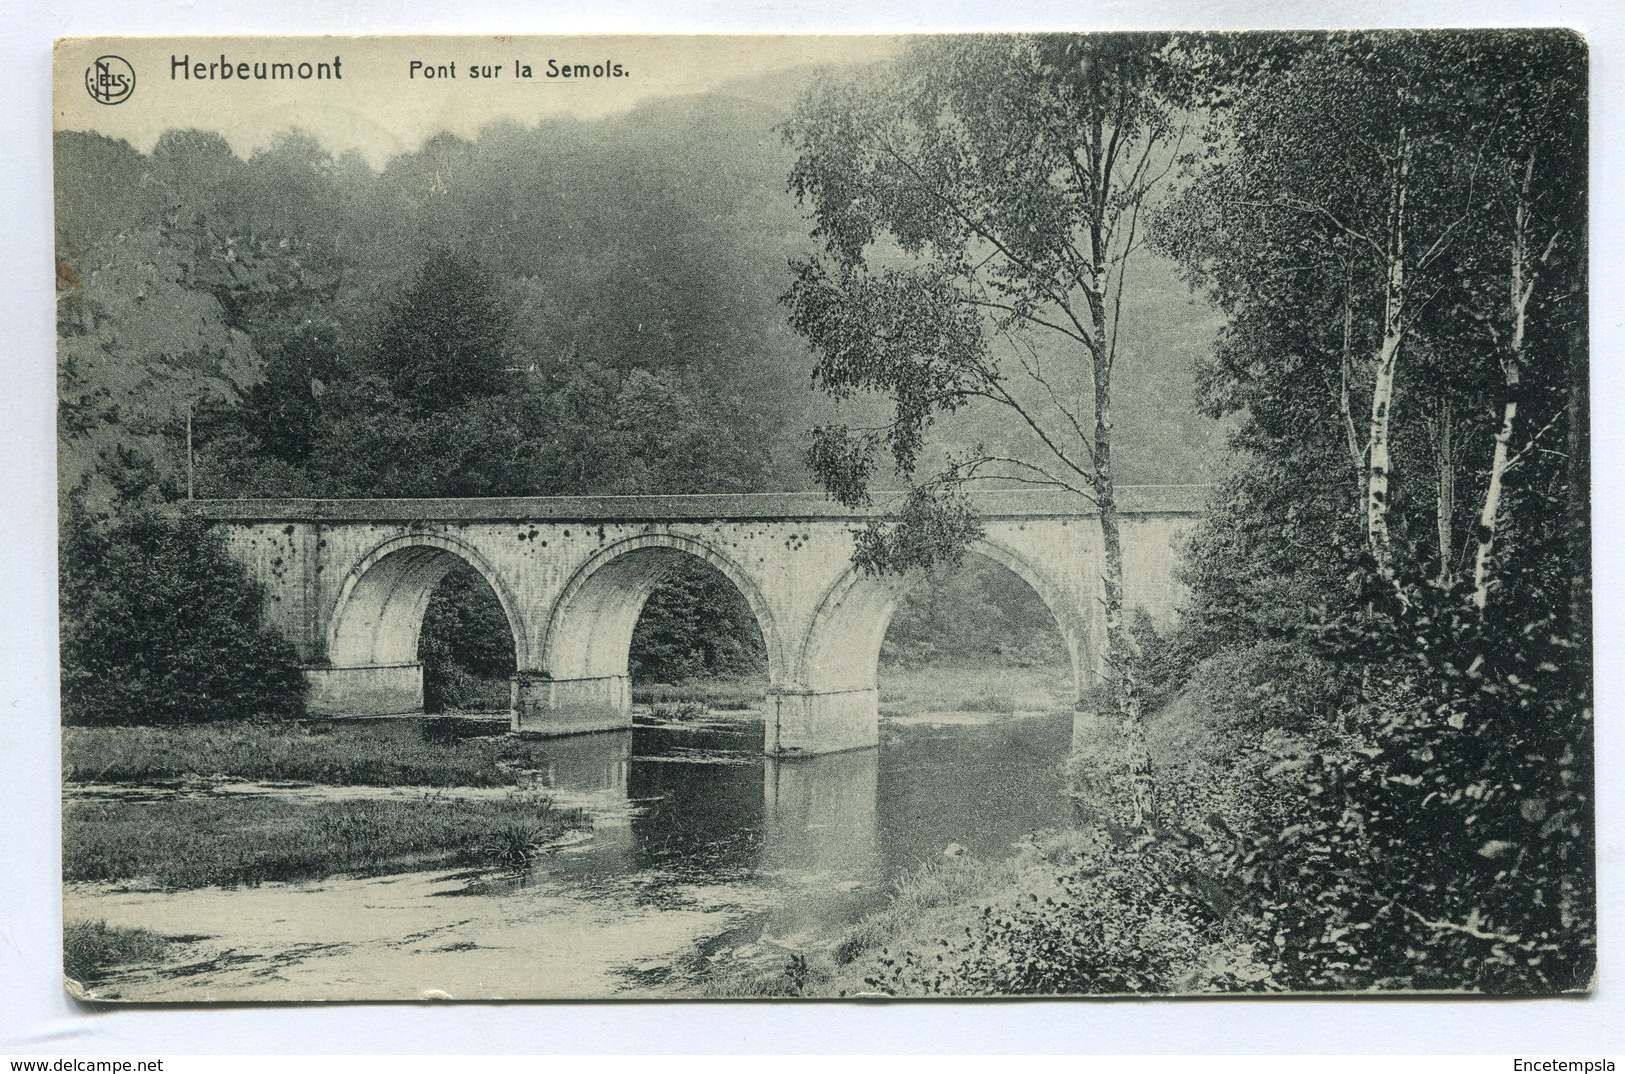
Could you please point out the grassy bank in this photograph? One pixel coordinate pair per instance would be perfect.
(912, 691)
(930, 904)
(1086, 910)
(424, 752)
(725, 694)
(189, 843)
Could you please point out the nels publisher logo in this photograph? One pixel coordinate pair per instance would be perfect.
(110, 79)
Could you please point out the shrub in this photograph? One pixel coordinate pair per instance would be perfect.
(1453, 848)
(161, 625)
(1269, 685)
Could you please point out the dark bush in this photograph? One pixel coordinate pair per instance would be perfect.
(161, 625)
(466, 646)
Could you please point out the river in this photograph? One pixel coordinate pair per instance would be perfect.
(702, 852)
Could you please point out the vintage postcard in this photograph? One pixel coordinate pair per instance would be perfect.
(812, 517)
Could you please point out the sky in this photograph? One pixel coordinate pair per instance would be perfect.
(381, 105)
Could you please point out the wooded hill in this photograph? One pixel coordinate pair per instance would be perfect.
(616, 285)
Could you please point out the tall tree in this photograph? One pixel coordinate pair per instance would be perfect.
(979, 205)
(446, 340)
(1532, 247)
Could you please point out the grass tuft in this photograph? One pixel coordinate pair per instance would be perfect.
(91, 948)
(678, 710)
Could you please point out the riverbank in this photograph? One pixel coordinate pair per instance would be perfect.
(1085, 908)
(167, 826)
(938, 900)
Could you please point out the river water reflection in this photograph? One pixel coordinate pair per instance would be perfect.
(820, 839)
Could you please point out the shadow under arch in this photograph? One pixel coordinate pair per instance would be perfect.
(842, 649)
(379, 611)
(580, 679)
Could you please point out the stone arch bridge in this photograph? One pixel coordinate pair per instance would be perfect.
(349, 582)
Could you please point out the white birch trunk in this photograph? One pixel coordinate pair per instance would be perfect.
(1379, 465)
(1521, 285)
(1118, 654)
(1492, 496)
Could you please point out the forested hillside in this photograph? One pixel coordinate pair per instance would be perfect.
(575, 307)
(628, 270)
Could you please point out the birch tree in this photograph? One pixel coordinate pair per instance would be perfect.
(979, 207)
(1353, 177)
(1535, 235)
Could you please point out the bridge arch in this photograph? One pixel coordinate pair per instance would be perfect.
(378, 615)
(841, 652)
(589, 633)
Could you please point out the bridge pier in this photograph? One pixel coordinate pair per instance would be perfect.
(802, 721)
(370, 690)
(348, 583)
(548, 706)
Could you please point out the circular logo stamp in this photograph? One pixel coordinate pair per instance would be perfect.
(110, 79)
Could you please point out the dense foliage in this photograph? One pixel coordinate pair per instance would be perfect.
(1374, 749)
(1407, 337)
(696, 624)
(161, 625)
(980, 615)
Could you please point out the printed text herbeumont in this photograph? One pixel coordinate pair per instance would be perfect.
(227, 70)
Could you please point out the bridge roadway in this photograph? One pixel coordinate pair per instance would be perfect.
(349, 581)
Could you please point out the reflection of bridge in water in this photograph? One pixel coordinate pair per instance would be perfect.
(724, 814)
(349, 581)
(700, 806)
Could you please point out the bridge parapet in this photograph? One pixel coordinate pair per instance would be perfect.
(763, 506)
